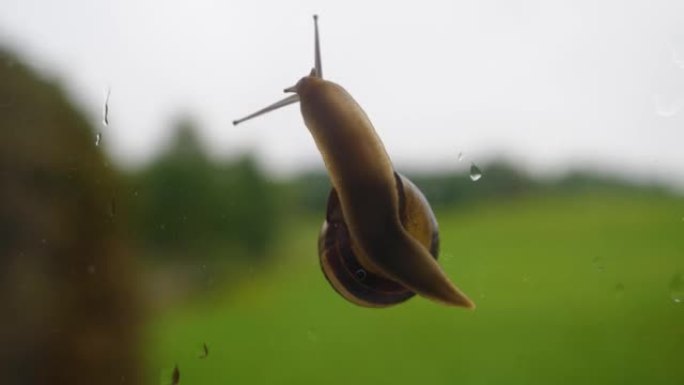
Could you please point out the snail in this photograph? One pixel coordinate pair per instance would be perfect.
(379, 242)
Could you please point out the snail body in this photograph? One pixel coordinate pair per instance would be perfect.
(377, 221)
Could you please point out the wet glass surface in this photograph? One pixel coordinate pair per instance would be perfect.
(144, 239)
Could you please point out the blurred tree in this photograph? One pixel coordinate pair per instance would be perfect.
(191, 205)
(68, 294)
(309, 192)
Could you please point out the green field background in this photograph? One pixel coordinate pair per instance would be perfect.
(578, 277)
(573, 289)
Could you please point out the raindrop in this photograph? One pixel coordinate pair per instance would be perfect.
(361, 274)
(598, 264)
(205, 351)
(677, 49)
(677, 288)
(475, 173)
(91, 269)
(311, 336)
(98, 138)
(667, 109)
(460, 156)
(175, 376)
(105, 108)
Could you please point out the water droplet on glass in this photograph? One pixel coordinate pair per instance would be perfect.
(677, 50)
(475, 173)
(98, 138)
(91, 269)
(460, 156)
(677, 288)
(311, 336)
(665, 108)
(105, 108)
(598, 264)
(361, 274)
(175, 376)
(205, 351)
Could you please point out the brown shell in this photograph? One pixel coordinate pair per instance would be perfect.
(341, 266)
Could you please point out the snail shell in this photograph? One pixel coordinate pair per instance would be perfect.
(338, 253)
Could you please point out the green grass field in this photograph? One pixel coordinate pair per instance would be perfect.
(570, 290)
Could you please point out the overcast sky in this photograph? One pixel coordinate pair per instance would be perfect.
(549, 84)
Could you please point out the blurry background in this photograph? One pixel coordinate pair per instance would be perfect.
(137, 224)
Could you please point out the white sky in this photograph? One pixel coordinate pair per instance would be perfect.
(549, 84)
